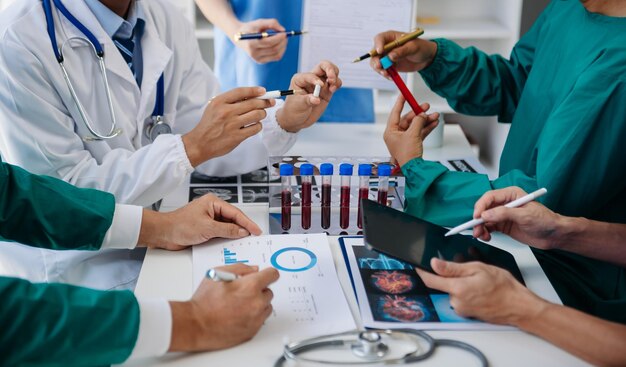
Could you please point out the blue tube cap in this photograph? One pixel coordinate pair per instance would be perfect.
(384, 170)
(386, 62)
(365, 169)
(286, 170)
(306, 169)
(326, 169)
(345, 169)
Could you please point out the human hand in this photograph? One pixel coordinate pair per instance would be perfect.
(405, 140)
(483, 291)
(199, 221)
(533, 223)
(229, 119)
(413, 56)
(223, 314)
(302, 111)
(266, 49)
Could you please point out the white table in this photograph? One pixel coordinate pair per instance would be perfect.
(169, 274)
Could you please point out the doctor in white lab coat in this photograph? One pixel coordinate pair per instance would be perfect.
(41, 129)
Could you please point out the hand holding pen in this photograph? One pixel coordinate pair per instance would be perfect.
(413, 55)
(497, 207)
(222, 314)
(262, 49)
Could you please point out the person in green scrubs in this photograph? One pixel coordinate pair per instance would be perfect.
(563, 89)
(63, 325)
(492, 294)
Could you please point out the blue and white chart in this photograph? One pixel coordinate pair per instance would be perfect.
(308, 298)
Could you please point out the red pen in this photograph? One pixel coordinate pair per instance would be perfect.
(388, 65)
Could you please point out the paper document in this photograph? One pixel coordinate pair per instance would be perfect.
(308, 298)
(342, 30)
(390, 294)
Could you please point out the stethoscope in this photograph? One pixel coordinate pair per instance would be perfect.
(372, 347)
(152, 130)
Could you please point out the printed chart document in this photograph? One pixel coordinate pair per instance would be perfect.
(340, 31)
(308, 298)
(391, 295)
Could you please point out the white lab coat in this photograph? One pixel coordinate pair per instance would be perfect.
(39, 129)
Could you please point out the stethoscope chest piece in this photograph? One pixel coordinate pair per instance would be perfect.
(156, 128)
(370, 346)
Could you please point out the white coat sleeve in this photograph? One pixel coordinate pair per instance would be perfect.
(200, 85)
(38, 133)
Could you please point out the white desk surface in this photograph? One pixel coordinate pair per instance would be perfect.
(169, 275)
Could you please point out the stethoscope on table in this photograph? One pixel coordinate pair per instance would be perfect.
(372, 347)
(158, 125)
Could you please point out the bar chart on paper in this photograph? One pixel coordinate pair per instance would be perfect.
(308, 299)
(231, 257)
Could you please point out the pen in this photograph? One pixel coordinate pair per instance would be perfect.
(221, 275)
(273, 94)
(265, 34)
(393, 44)
(513, 204)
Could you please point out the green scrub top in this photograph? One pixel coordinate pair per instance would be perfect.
(564, 92)
(56, 324)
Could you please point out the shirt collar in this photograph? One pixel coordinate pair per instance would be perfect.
(113, 24)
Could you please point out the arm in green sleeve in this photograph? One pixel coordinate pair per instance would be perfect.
(478, 84)
(576, 153)
(447, 198)
(46, 212)
(61, 325)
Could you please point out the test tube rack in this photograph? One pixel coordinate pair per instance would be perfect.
(395, 196)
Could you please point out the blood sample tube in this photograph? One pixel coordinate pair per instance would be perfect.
(384, 170)
(393, 73)
(326, 170)
(345, 170)
(306, 174)
(365, 171)
(286, 171)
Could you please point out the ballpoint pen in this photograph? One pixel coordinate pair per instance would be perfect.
(513, 204)
(265, 34)
(273, 94)
(393, 44)
(221, 275)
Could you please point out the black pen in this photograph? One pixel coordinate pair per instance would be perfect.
(265, 34)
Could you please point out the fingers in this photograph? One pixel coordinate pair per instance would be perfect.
(263, 278)
(239, 94)
(307, 81)
(496, 198)
(228, 230)
(394, 116)
(417, 125)
(239, 269)
(235, 215)
(452, 270)
(264, 24)
(248, 105)
(434, 281)
(330, 71)
(502, 214)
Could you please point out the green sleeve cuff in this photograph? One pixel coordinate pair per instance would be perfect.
(446, 51)
(419, 172)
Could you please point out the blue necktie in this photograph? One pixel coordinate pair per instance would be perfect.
(127, 46)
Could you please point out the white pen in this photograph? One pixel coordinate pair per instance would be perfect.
(221, 275)
(274, 94)
(513, 204)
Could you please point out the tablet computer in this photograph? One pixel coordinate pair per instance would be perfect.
(416, 241)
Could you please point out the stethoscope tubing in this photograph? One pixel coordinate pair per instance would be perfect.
(293, 350)
(99, 53)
